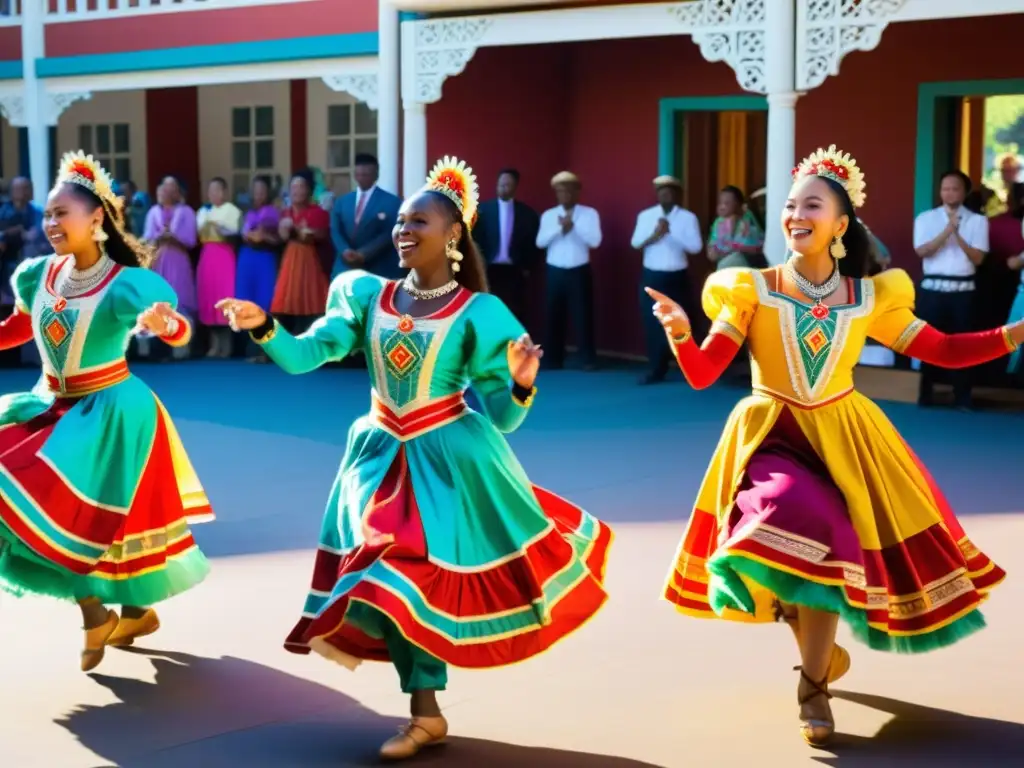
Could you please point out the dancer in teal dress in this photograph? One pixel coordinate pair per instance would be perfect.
(96, 491)
(435, 547)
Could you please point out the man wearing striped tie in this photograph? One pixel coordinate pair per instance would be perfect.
(361, 224)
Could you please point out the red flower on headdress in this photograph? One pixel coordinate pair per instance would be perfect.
(83, 170)
(452, 181)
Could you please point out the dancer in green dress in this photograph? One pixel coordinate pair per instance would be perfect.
(97, 495)
(435, 547)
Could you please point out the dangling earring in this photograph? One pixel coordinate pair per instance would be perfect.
(837, 249)
(454, 255)
(98, 234)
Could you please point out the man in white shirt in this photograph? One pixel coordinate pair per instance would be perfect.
(568, 232)
(952, 242)
(666, 233)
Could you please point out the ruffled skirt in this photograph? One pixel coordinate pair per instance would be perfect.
(96, 498)
(830, 509)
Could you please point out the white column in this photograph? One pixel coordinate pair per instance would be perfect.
(414, 140)
(780, 79)
(388, 63)
(36, 108)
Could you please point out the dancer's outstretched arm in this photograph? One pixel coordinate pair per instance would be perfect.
(703, 365)
(334, 336)
(896, 326)
(16, 330)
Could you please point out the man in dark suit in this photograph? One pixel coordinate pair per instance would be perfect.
(506, 232)
(361, 224)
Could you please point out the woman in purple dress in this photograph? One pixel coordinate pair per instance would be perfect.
(171, 229)
(256, 274)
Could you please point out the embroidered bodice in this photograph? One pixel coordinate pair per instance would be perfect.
(415, 363)
(795, 354)
(82, 322)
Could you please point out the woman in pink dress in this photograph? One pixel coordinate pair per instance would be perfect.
(218, 224)
(171, 229)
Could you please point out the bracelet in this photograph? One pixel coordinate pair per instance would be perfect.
(522, 395)
(1012, 345)
(682, 338)
(264, 332)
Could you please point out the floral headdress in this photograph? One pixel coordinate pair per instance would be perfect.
(82, 169)
(838, 166)
(85, 171)
(456, 181)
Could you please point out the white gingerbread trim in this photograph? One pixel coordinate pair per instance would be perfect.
(827, 30)
(56, 103)
(12, 106)
(731, 31)
(365, 88)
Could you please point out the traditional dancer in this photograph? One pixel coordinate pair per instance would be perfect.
(813, 507)
(96, 492)
(435, 547)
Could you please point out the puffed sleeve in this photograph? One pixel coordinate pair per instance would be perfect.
(729, 300)
(337, 334)
(26, 280)
(894, 324)
(136, 289)
(492, 327)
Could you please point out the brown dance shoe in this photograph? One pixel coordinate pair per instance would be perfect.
(96, 642)
(129, 630)
(420, 732)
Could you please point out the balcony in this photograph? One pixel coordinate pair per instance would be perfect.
(63, 11)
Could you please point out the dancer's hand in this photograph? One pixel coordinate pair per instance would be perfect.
(524, 360)
(669, 313)
(159, 319)
(242, 315)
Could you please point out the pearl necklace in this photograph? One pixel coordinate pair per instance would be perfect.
(814, 291)
(431, 293)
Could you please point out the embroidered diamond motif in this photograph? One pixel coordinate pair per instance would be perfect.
(56, 332)
(815, 341)
(402, 355)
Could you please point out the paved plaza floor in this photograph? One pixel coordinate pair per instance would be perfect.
(639, 686)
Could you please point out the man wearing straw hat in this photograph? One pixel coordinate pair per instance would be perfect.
(568, 232)
(666, 234)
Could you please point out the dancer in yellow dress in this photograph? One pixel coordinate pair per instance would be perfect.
(813, 507)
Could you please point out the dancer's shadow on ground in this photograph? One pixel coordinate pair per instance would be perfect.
(926, 736)
(226, 712)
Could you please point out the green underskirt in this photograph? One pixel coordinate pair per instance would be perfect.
(22, 571)
(726, 590)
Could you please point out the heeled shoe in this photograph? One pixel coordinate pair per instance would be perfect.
(840, 663)
(129, 630)
(96, 642)
(817, 732)
(418, 733)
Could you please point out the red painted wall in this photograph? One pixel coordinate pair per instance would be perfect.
(230, 25)
(589, 107)
(878, 125)
(172, 121)
(10, 43)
